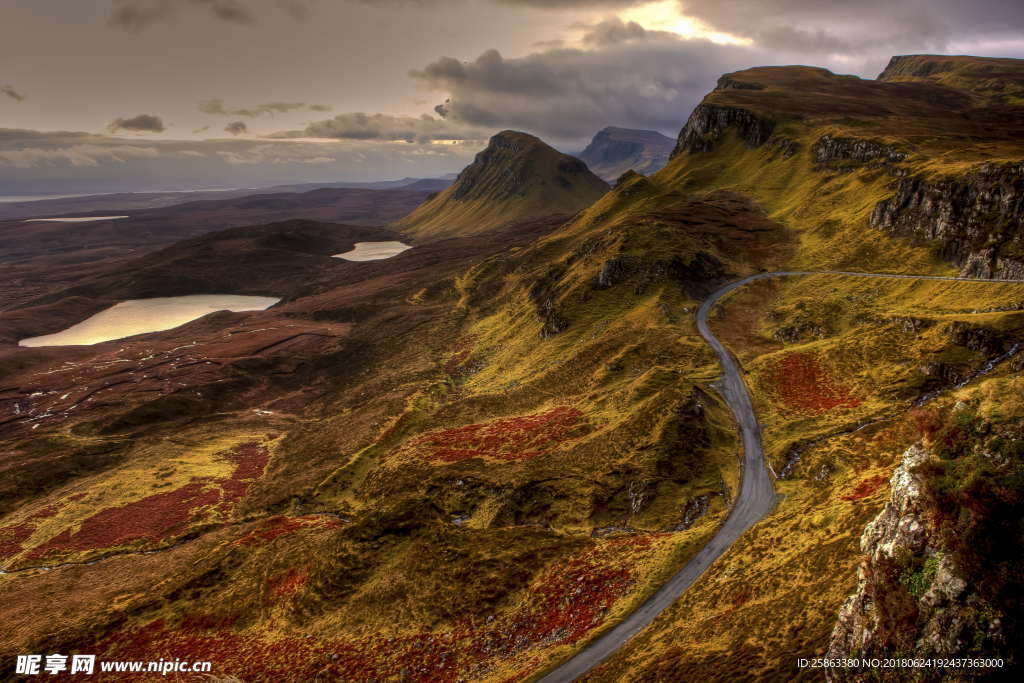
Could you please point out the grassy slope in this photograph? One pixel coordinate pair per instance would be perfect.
(774, 597)
(425, 544)
(826, 354)
(518, 177)
(413, 579)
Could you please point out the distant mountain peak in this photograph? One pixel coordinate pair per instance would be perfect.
(614, 150)
(516, 177)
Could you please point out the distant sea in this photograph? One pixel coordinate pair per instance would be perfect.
(6, 199)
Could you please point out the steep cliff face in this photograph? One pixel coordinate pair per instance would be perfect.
(973, 220)
(932, 150)
(708, 123)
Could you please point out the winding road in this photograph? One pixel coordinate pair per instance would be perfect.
(756, 497)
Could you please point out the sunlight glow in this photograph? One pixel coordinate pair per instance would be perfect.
(665, 16)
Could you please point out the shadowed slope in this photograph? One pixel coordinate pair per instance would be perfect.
(518, 177)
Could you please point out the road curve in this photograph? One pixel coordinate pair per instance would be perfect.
(756, 497)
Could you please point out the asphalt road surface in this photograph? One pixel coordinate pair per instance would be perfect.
(756, 497)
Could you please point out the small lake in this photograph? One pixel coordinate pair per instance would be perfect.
(138, 316)
(373, 251)
(83, 219)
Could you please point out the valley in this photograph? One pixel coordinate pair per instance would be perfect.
(758, 404)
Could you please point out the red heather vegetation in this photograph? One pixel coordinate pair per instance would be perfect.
(460, 352)
(286, 583)
(161, 515)
(151, 518)
(565, 604)
(516, 438)
(866, 487)
(250, 459)
(11, 537)
(806, 386)
(273, 527)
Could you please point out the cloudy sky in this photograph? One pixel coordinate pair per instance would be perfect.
(102, 95)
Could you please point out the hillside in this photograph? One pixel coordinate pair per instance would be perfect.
(918, 163)
(40, 258)
(876, 397)
(517, 177)
(467, 461)
(613, 151)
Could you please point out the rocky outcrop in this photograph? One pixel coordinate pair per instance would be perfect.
(698, 277)
(727, 82)
(830, 149)
(543, 293)
(980, 338)
(785, 146)
(912, 598)
(695, 509)
(973, 220)
(708, 123)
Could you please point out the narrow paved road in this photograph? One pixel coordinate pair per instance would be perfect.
(755, 499)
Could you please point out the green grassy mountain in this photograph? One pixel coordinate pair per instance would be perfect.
(517, 177)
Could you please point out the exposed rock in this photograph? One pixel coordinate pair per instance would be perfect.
(612, 272)
(800, 331)
(728, 83)
(912, 598)
(708, 123)
(979, 338)
(695, 509)
(912, 325)
(785, 146)
(698, 277)
(972, 220)
(829, 149)
(543, 293)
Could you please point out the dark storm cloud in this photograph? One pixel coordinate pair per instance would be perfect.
(216, 106)
(384, 127)
(137, 15)
(650, 80)
(817, 27)
(12, 93)
(236, 128)
(143, 123)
